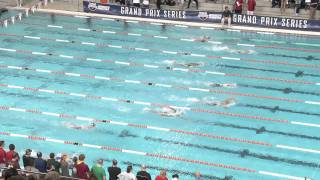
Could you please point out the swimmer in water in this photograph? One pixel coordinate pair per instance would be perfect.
(190, 65)
(202, 39)
(245, 51)
(126, 133)
(79, 127)
(168, 111)
(226, 103)
(227, 85)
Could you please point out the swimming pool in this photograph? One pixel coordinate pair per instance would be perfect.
(8, 14)
(58, 70)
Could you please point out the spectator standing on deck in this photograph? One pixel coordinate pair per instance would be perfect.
(251, 6)
(226, 15)
(40, 164)
(98, 170)
(158, 4)
(145, 3)
(197, 3)
(283, 6)
(162, 176)
(297, 6)
(2, 155)
(128, 175)
(10, 153)
(28, 161)
(114, 171)
(82, 168)
(136, 3)
(313, 8)
(73, 166)
(12, 158)
(143, 174)
(52, 164)
(14, 161)
(237, 6)
(64, 166)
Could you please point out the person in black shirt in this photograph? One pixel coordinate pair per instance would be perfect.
(114, 171)
(197, 3)
(28, 161)
(52, 164)
(226, 15)
(143, 174)
(158, 4)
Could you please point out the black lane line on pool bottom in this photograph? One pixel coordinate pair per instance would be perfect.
(307, 58)
(242, 153)
(264, 130)
(275, 109)
(284, 90)
(296, 74)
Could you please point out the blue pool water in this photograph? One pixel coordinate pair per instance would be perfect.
(291, 123)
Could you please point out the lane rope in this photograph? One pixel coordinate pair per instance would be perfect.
(128, 151)
(169, 68)
(141, 126)
(143, 103)
(217, 57)
(133, 64)
(185, 39)
(137, 82)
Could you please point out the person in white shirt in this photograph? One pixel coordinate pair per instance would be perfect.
(128, 175)
(145, 3)
(136, 3)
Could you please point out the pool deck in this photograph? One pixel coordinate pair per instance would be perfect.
(235, 28)
(55, 8)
